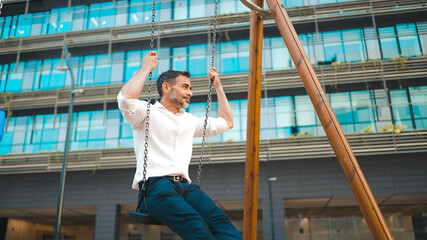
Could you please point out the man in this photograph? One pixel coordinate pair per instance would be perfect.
(170, 196)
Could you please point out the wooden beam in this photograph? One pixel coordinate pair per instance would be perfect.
(346, 158)
(250, 215)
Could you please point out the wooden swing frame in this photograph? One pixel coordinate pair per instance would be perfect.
(346, 158)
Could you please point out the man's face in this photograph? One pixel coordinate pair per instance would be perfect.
(181, 92)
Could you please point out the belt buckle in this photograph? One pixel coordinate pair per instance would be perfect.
(179, 179)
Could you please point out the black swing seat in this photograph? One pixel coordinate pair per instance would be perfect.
(143, 218)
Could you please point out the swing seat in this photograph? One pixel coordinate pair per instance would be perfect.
(143, 218)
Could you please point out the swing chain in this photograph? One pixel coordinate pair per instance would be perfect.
(1, 5)
(199, 173)
(147, 120)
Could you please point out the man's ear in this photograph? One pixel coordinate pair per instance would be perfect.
(166, 87)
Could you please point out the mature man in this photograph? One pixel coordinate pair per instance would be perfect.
(170, 196)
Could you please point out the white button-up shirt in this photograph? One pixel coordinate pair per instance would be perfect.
(170, 143)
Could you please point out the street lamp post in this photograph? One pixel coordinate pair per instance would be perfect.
(56, 235)
(270, 195)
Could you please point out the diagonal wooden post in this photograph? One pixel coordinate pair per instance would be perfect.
(346, 158)
(250, 214)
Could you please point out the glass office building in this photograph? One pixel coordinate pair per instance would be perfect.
(369, 55)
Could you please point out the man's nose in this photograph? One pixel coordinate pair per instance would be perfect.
(190, 93)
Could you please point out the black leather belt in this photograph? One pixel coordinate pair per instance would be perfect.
(178, 179)
(175, 178)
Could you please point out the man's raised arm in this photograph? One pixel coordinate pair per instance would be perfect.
(133, 87)
(224, 109)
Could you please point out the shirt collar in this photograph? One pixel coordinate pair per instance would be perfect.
(159, 105)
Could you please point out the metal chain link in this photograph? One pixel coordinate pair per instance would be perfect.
(147, 120)
(199, 173)
(1, 5)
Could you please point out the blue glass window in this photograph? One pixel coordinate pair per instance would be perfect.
(2, 20)
(49, 134)
(340, 102)
(363, 111)
(121, 13)
(102, 70)
(179, 58)
(372, 45)
(88, 71)
(422, 31)
(107, 15)
(293, 3)
(13, 26)
(388, 42)
(7, 27)
(228, 55)
(65, 20)
(334, 50)
(117, 67)
(401, 112)
(305, 115)
(281, 59)
(197, 8)
(268, 119)
(140, 12)
(164, 60)
(382, 109)
(39, 23)
(197, 60)
(97, 130)
(45, 72)
(408, 40)
(94, 16)
(133, 63)
(15, 77)
(76, 68)
(353, 45)
(57, 79)
(243, 55)
(29, 74)
(165, 12)
(113, 129)
(419, 105)
(180, 10)
(79, 18)
(227, 7)
(19, 134)
(284, 116)
(53, 21)
(235, 133)
(24, 25)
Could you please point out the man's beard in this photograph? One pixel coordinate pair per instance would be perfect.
(174, 98)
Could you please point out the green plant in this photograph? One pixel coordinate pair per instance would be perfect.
(301, 134)
(395, 128)
(368, 129)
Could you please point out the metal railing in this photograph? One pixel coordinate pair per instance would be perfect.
(384, 143)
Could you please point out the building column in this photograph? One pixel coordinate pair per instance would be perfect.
(107, 226)
(275, 222)
(3, 228)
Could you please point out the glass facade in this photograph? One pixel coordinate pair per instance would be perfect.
(351, 45)
(121, 13)
(282, 117)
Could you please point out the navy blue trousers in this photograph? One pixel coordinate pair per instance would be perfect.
(187, 211)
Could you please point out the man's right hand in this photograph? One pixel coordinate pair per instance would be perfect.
(150, 61)
(133, 87)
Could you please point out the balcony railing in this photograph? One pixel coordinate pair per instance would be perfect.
(292, 148)
(336, 74)
(189, 27)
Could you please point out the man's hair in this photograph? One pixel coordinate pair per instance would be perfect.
(169, 76)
